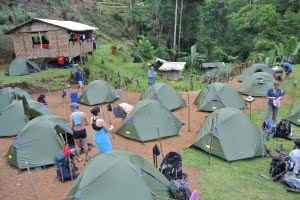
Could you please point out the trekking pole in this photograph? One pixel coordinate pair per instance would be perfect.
(31, 181)
(160, 143)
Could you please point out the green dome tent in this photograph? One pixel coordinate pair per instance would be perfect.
(165, 94)
(257, 84)
(19, 93)
(254, 69)
(22, 66)
(219, 95)
(97, 92)
(33, 108)
(294, 117)
(141, 123)
(15, 116)
(12, 119)
(234, 136)
(6, 97)
(39, 141)
(120, 175)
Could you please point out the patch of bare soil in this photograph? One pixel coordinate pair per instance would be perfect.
(16, 185)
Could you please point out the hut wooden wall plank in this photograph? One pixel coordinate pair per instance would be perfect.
(37, 27)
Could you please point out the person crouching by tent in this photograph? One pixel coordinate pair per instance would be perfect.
(78, 78)
(151, 76)
(78, 121)
(101, 130)
(287, 67)
(274, 95)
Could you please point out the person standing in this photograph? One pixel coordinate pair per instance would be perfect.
(78, 121)
(274, 95)
(78, 77)
(151, 76)
(287, 67)
(101, 130)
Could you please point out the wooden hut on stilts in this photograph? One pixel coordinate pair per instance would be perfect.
(52, 39)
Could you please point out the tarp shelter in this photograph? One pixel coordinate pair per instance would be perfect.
(254, 69)
(6, 97)
(164, 94)
(172, 70)
(294, 117)
(219, 95)
(12, 119)
(213, 65)
(120, 175)
(257, 84)
(21, 66)
(229, 134)
(141, 123)
(97, 92)
(39, 141)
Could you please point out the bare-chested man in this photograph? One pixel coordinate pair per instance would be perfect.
(78, 121)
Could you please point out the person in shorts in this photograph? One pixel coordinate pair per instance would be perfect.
(78, 121)
(79, 78)
(287, 67)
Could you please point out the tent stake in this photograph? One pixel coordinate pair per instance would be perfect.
(31, 181)
(160, 144)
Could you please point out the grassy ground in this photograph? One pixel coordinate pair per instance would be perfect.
(240, 179)
(102, 62)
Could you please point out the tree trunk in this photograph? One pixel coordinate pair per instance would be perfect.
(175, 25)
(180, 25)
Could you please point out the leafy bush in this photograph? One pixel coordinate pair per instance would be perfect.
(145, 48)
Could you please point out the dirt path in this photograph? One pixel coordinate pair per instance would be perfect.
(15, 185)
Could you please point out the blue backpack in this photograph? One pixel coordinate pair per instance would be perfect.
(268, 126)
(62, 167)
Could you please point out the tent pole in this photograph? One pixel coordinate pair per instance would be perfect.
(31, 181)
(160, 144)
(189, 111)
(211, 140)
(110, 122)
(294, 95)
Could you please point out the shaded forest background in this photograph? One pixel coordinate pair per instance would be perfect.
(223, 30)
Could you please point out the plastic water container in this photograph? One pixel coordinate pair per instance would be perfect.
(74, 97)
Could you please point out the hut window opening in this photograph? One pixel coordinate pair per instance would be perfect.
(40, 40)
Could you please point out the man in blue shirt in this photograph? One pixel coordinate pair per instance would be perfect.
(273, 95)
(287, 67)
(151, 76)
(78, 77)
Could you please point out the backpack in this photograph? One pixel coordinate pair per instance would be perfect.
(278, 166)
(283, 129)
(62, 167)
(180, 190)
(171, 167)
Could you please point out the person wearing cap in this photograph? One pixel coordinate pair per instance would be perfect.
(274, 96)
(78, 77)
(287, 67)
(101, 130)
(78, 121)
